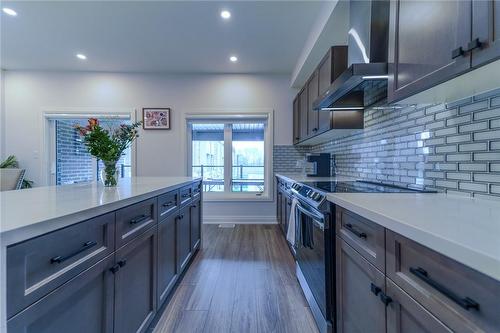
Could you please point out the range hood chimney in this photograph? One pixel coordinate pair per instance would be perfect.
(364, 82)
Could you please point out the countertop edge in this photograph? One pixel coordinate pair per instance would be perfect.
(488, 266)
(14, 236)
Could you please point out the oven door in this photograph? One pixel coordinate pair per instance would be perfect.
(310, 256)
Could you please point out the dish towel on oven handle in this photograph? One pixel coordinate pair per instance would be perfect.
(290, 233)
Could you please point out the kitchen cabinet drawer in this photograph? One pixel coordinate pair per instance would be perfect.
(360, 290)
(364, 236)
(135, 283)
(168, 204)
(134, 220)
(405, 315)
(197, 188)
(463, 299)
(83, 305)
(40, 265)
(186, 195)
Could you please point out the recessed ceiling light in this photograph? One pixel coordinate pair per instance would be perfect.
(233, 58)
(81, 56)
(225, 14)
(9, 11)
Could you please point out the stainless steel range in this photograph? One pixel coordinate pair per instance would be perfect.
(315, 241)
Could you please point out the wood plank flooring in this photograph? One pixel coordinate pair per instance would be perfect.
(242, 280)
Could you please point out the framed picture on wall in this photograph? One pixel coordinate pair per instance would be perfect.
(156, 118)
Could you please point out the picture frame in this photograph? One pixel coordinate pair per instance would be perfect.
(156, 118)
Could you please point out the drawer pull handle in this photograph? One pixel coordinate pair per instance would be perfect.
(349, 227)
(122, 263)
(115, 268)
(474, 44)
(385, 299)
(458, 52)
(465, 303)
(168, 204)
(180, 217)
(374, 289)
(139, 219)
(60, 259)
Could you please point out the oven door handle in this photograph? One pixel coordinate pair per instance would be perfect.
(315, 216)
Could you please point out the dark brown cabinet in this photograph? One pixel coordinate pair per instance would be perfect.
(405, 315)
(486, 29)
(330, 67)
(195, 217)
(303, 113)
(296, 120)
(84, 304)
(431, 42)
(183, 230)
(167, 261)
(135, 294)
(312, 94)
(360, 293)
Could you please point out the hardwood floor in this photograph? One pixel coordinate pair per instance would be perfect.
(242, 280)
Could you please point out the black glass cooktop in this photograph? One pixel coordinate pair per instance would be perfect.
(361, 187)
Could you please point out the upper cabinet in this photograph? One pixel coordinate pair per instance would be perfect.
(307, 122)
(431, 42)
(312, 94)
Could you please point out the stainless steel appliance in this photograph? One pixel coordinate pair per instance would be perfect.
(315, 242)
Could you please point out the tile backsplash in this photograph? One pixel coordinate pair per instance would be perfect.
(451, 147)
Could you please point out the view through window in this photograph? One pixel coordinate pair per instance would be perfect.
(73, 163)
(244, 171)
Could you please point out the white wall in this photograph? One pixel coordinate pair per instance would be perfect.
(159, 153)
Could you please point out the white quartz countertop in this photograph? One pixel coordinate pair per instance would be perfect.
(29, 213)
(464, 229)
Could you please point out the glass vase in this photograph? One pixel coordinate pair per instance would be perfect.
(109, 175)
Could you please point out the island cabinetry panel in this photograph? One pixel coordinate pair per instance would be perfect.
(186, 194)
(183, 238)
(135, 283)
(134, 220)
(167, 260)
(40, 265)
(83, 305)
(195, 221)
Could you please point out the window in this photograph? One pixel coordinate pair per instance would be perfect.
(71, 163)
(230, 156)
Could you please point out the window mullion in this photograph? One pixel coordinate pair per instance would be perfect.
(228, 160)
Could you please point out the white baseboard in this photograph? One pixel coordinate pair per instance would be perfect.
(239, 220)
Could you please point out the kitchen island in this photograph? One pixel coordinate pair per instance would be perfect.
(97, 259)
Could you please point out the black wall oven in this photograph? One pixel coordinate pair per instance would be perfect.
(315, 260)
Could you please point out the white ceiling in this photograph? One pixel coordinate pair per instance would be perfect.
(156, 36)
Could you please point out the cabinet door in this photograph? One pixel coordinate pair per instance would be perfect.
(303, 111)
(195, 224)
(279, 199)
(84, 304)
(288, 211)
(284, 217)
(424, 44)
(183, 239)
(486, 30)
(359, 288)
(296, 120)
(135, 283)
(405, 315)
(312, 94)
(167, 261)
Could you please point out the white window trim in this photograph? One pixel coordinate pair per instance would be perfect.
(47, 148)
(218, 115)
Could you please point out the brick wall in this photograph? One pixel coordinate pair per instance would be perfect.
(454, 148)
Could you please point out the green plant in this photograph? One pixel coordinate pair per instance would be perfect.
(108, 145)
(11, 162)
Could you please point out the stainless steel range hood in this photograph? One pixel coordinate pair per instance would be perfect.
(364, 82)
